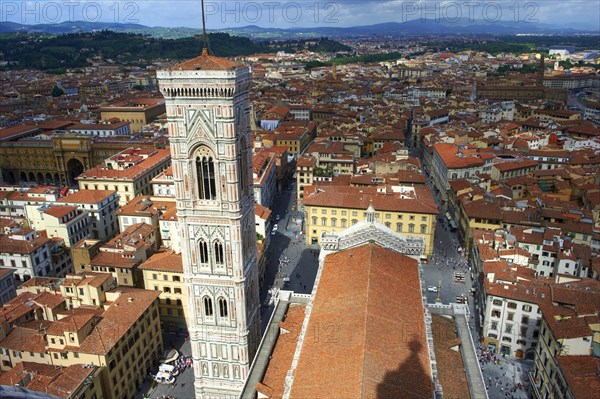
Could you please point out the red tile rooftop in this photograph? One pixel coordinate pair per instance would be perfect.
(365, 356)
(164, 260)
(207, 62)
(59, 211)
(87, 196)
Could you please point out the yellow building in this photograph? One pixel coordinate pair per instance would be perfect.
(409, 211)
(58, 158)
(163, 272)
(128, 172)
(121, 335)
(138, 111)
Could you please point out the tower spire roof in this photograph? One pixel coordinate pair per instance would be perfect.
(206, 61)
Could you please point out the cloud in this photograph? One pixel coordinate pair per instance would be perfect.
(300, 13)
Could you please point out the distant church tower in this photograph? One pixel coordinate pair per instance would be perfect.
(208, 115)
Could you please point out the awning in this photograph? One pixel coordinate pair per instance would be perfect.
(169, 356)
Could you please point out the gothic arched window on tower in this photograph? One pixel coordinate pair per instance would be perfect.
(205, 175)
(203, 249)
(243, 167)
(219, 252)
(223, 307)
(208, 306)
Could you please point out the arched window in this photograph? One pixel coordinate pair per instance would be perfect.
(323, 221)
(205, 175)
(344, 222)
(314, 220)
(218, 252)
(411, 228)
(243, 167)
(223, 307)
(333, 222)
(399, 227)
(203, 248)
(423, 229)
(354, 221)
(388, 224)
(208, 306)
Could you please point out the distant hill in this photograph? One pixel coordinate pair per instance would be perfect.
(76, 50)
(82, 26)
(408, 28)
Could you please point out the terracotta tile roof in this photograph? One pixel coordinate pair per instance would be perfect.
(262, 211)
(582, 374)
(521, 164)
(93, 279)
(87, 196)
(24, 340)
(71, 323)
(362, 197)
(10, 245)
(137, 170)
(118, 319)
(61, 382)
(59, 211)
(453, 159)
(281, 359)
(143, 205)
(113, 259)
(449, 361)
(166, 260)
(133, 237)
(206, 62)
(368, 310)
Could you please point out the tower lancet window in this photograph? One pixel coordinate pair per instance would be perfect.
(203, 251)
(208, 307)
(223, 307)
(218, 252)
(243, 167)
(205, 175)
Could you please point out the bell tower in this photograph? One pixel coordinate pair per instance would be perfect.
(208, 112)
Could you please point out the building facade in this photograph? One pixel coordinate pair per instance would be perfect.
(208, 111)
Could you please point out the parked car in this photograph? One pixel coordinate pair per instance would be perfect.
(164, 378)
(432, 288)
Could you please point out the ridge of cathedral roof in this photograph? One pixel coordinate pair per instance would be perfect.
(207, 62)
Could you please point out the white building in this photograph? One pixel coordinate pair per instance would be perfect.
(497, 112)
(163, 184)
(27, 253)
(102, 129)
(512, 316)
(7, 285)
(208, 112)
(63, 221)
(101, 206)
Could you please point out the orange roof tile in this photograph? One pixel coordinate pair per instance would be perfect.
(206, 62)
(369, 317)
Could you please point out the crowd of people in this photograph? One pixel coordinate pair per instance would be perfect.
(502, 376)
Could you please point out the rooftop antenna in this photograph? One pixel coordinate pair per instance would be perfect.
(204, 38)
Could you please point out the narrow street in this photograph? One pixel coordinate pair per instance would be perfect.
(293, 265)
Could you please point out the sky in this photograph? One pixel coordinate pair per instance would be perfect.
(583, 14)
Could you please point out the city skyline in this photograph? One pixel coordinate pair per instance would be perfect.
(580, 14)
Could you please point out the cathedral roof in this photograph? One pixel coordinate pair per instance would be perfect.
(372, 342)
(207, 62)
